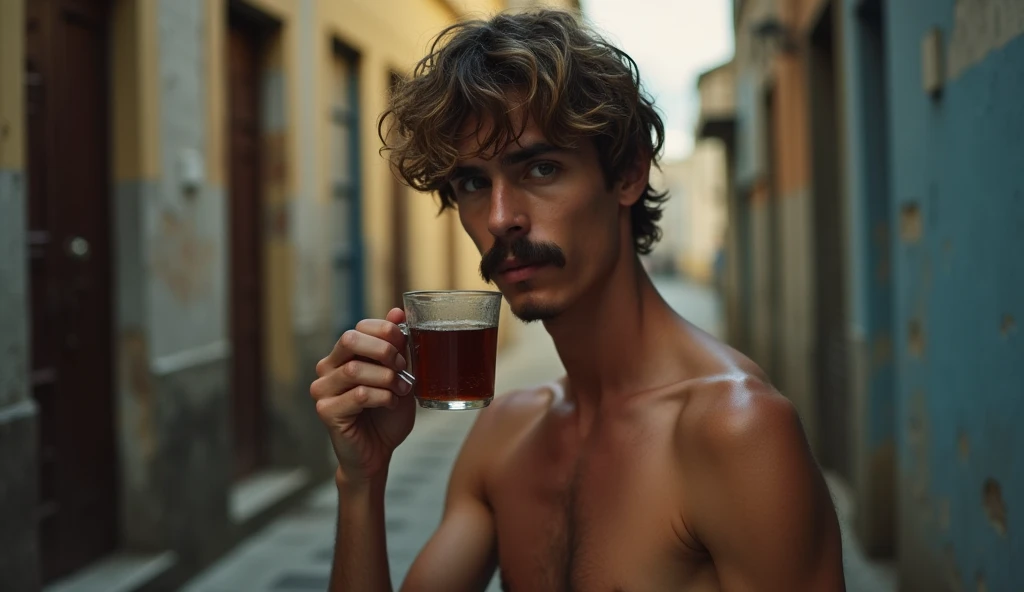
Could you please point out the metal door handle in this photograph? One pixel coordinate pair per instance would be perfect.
(78, 248)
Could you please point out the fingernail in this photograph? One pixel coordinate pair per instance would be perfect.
(400, 362)
(404, 387)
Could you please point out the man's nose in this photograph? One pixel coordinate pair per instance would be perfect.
(508, 218)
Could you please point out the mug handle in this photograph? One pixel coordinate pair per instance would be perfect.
(406, 376)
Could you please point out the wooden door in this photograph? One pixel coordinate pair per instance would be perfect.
(70, 279)
(246, 207)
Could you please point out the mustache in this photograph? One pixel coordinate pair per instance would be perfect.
(525, 251)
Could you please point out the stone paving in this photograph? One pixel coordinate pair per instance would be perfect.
(293, 554)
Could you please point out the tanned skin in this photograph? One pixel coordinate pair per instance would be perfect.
(663, 460)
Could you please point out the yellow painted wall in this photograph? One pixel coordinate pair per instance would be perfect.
(135, 93)
(12, 86)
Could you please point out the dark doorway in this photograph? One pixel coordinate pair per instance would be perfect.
(775, 266)
(245, 137)
(70, 279)
(830, 259)
(877, 509)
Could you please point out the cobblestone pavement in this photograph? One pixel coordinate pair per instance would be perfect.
(293, 554)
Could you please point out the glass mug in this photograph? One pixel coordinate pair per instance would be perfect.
(453, 342)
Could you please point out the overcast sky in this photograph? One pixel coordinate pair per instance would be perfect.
(672, 42)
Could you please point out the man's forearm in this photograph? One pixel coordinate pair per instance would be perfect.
(360, 554)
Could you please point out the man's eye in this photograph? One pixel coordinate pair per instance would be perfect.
(542, 170)
(471, 184)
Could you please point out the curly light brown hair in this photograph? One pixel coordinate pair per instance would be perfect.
(574, 84)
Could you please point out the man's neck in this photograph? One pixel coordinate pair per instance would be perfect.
(615, 342)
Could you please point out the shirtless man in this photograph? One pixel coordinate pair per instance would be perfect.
(664, 460)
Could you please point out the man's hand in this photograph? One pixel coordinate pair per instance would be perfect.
(361, 399)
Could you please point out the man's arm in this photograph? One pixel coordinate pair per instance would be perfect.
(360, 553)
(755, 497)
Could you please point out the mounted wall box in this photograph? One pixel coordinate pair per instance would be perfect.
(191, 172)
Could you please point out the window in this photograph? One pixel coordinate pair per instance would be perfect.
(347, 292)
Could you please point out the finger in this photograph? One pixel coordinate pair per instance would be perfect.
(334, 409)
(383, 329)
(354, 373)
(356, 343)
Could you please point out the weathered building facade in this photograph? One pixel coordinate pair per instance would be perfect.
(876, 207)
(192, 208)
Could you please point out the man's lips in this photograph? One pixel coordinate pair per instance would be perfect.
(517, 271)
(513, 264)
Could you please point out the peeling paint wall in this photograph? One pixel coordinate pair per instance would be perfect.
(981, 27)
(958, 197)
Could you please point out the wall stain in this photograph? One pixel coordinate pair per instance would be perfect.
(915, 338)
(911, 227)
(136, 377)
(1008, 325)
(918, 442)
(963, 446)
(995, 507)
(182, 258)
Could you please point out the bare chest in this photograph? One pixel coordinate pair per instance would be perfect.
(603, 515)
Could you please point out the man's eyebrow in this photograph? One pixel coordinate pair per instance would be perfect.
(529, 152)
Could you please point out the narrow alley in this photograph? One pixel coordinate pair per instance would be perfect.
(294, 553)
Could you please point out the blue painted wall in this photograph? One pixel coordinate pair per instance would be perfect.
(959, 296)
(866, 127)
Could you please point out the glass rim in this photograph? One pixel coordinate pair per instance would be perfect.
(415, 293)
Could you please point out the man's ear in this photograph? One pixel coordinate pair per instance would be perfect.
(633, 181)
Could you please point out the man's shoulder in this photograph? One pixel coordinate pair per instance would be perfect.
(725, 415)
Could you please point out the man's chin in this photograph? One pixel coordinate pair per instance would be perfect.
(529, 312)
(532, 315)
(528, 302)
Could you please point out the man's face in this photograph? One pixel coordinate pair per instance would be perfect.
(547, 224)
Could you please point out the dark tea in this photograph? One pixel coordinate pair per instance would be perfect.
(454, 361)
